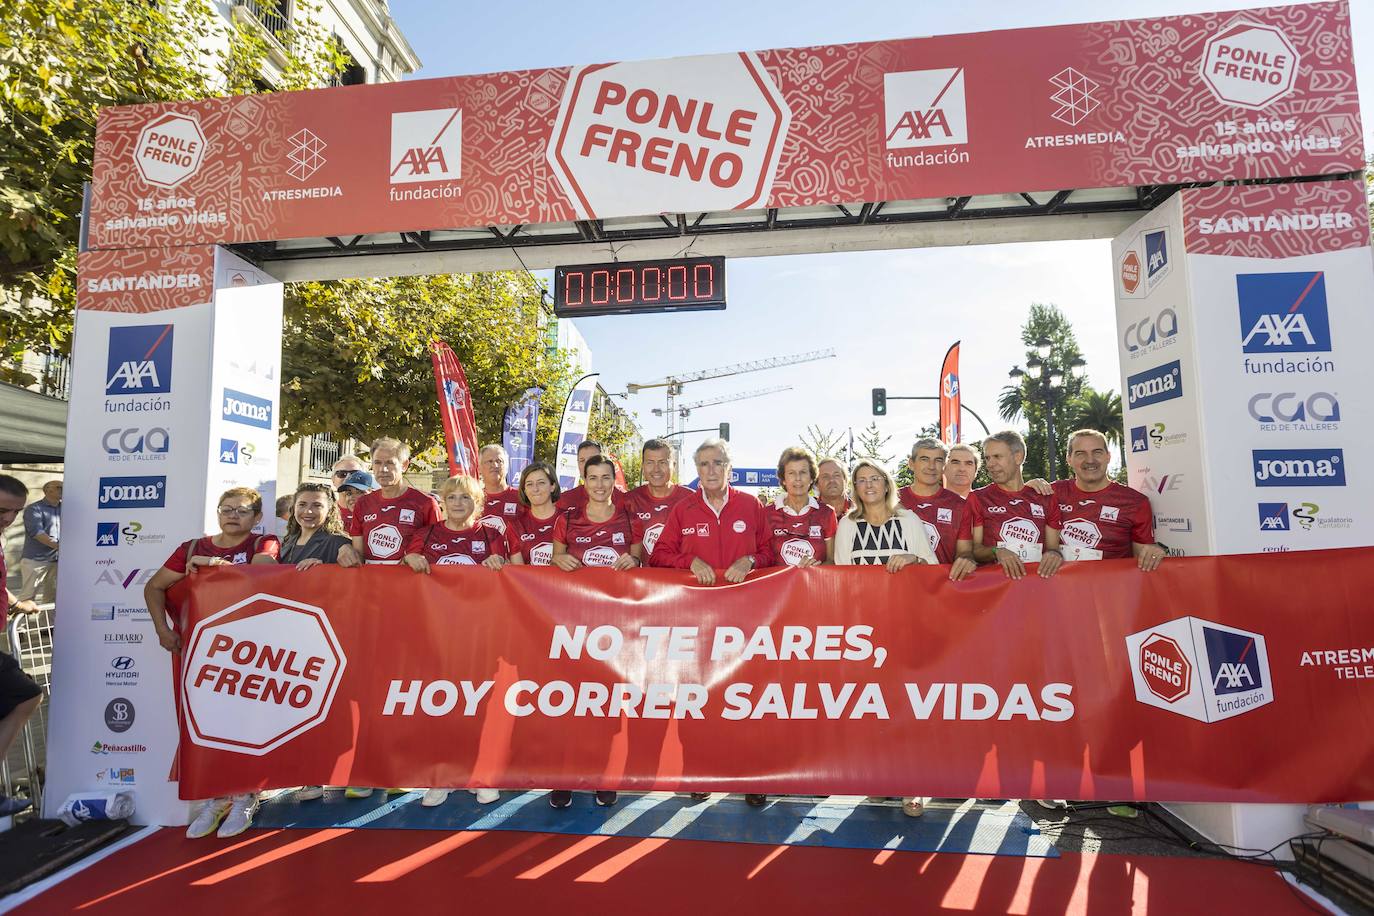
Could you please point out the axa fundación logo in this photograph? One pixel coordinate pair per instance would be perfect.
(139, 360)
(426, 145)
(305, 152)
(1282, 317)
(925, 108)
(1074, 96)
(1203, 670)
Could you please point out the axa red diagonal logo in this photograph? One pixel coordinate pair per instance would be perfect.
(685, 134)
(925, 108)
(259, 673)
(426, 145)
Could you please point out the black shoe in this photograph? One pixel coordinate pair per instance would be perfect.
(560, 798)
(605, 799)
(756, 801)
(12, 806)
(700, 796)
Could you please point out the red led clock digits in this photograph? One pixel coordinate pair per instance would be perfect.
(677, 281)
(703, 281)
(651, 288)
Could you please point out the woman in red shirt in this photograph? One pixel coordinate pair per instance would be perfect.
(529, 536)
(239, 511)
(598, 534)
(801, 527)
(459, 540)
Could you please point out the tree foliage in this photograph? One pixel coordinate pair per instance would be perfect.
(1099, 410)
(61, 61)
(1028, 398)
(822, 444)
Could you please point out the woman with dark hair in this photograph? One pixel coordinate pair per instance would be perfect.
(529, 536)
(239, 511)
(314, 533)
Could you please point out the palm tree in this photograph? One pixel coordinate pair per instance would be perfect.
(1100, 410)
(1011, 403)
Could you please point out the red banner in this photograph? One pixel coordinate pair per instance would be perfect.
(1262, 93)
(1242, 679)
(455, 407)
(951, 428)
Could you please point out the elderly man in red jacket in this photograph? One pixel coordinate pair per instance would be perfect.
(718, 528)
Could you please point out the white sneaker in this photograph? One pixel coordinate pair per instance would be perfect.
(434, 797)
(1054, 804)
(914, 806)
(486, 796)
(309, 793)
(240, 816)
(207, 817)
(357, 792)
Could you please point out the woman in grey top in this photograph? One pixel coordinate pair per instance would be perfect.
(314, 532)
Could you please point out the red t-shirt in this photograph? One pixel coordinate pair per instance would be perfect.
(649, 513)
(797, 537)
(943, 518)
(500, 509)
(576, 499)
(531, 538)
(694, 531)
(1016, 520)
(386, 525)
(345, 516)
(595, 543)
(238, 555)
(1104, 524)
(442, 546)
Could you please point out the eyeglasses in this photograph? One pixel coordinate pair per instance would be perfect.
(240, 511)
(868, 481)
(342, 473)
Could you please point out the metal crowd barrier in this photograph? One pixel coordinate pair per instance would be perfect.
(22, 772)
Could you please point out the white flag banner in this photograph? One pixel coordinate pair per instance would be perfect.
(577, 414)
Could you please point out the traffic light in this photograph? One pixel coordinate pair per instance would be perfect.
(879, 402)
(725, 431)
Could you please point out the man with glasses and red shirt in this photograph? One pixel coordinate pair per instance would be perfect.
(337, 475)
(1008, 523)
(384, 520)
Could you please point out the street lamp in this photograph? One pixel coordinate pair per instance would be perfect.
(1048, 382)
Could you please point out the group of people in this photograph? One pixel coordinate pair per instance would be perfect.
(826, 514)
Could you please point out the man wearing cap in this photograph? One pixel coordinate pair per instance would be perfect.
(350, 487)
(342, 468)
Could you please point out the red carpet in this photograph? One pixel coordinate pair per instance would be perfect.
(307, 872)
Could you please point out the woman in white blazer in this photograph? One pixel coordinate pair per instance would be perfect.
(878, 531)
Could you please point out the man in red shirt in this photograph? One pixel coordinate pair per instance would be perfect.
(832, 481)
(384, 520)
(1102, 519)
(502, 503)
(650, 502)
(719, 528)
(1007, 522)
(576, 497)
(961, 467)
(940, 510)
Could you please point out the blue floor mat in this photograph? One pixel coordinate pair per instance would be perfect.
(838, 821)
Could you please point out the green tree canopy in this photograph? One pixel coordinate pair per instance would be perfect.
(1027, 398)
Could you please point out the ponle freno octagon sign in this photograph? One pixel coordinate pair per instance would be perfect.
(689, 133)
(170, 149)
(259, 673)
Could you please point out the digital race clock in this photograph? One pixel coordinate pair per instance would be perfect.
(680, 285)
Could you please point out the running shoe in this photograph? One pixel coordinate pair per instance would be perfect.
(358, 792)
(434, 798)
(309, 793)
(207, 819)
(914, 807)
(486, 796)
(240, 816)
(755, 801)
(605, 799)
(560, 798)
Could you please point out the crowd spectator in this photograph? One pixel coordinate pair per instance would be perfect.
(349, 489)
(802, 531)
(832, 486)
(576, 497)
(529, 538)
(19, 693)
(282, 514)
(42, 532)
(239, 510)
(342, 470)
(961, 467)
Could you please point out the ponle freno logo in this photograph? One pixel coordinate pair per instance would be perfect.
(170, 149)
(1200, 669)
(260, 673)
(1249, 65)
(688, 133)
(426, 145)
(925, 108)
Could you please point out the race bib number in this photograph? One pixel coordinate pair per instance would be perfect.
(1074, 552)
(1029, 553)
(384, 542)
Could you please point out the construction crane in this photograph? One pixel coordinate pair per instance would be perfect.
(674, 383)
(685, 410)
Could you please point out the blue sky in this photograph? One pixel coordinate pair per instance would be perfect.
(891, 314)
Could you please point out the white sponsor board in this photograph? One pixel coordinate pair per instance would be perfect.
(577, 415)
(131, 498)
